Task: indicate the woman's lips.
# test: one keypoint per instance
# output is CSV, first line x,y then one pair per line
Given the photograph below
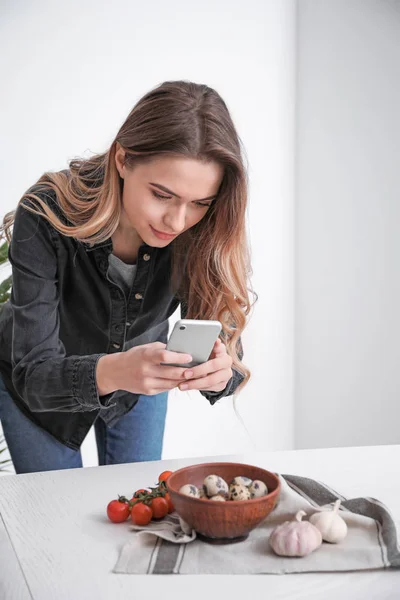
x,y
161,235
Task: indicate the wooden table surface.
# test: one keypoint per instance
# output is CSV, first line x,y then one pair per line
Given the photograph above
x,y
57,544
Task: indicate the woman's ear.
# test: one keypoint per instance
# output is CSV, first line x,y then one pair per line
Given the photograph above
x,y
120,159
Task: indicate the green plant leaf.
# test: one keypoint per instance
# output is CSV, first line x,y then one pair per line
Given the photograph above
x,y
5,287
3,253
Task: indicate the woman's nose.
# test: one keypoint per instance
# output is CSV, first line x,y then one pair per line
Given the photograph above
x,y
175,220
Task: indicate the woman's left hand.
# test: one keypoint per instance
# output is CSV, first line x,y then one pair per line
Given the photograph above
x,y
211,376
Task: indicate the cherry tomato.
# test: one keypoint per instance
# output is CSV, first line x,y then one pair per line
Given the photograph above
x,y
118,511
141,514
141,491
159,507
171,507
164,475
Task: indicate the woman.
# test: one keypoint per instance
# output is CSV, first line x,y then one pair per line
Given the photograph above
x,y
102,255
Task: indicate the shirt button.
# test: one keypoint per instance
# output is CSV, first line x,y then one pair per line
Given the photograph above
x,y
116,346
146,257
128,324
138,296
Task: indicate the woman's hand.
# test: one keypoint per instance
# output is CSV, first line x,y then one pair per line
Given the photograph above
x,y
139,370
211,376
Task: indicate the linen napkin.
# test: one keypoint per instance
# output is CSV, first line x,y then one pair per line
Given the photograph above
x,y
169,547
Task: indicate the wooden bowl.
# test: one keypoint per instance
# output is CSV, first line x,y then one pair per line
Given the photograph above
x,y
223,522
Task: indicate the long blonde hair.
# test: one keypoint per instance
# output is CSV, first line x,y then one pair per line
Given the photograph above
x,y
176,118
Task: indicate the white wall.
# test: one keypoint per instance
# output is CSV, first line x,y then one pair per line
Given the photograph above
x,y
70,74
347,225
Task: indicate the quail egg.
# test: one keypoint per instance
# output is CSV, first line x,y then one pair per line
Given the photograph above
x,y
239,492
202,493
242,480
190,490
258,489
214,484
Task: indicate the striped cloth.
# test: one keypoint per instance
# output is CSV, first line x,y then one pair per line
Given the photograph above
x,y
371,542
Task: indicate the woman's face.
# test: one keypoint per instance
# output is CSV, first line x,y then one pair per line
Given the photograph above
x,y
163,198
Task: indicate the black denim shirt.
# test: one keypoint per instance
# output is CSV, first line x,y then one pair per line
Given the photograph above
x,y
64,314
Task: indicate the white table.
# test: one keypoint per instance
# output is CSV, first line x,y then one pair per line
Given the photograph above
x,y
56,542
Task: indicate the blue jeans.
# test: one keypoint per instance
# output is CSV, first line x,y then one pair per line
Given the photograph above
x,y
138,436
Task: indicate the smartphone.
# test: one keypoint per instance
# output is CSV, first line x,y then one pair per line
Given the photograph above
x,y
194,337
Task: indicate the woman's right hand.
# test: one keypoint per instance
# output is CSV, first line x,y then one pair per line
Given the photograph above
x,y
139,370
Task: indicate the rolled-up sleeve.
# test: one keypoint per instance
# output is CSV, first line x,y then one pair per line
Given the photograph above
x,y
43,376
230,388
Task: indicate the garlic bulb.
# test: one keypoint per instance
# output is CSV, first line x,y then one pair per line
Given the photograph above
x,y
331,525
295,538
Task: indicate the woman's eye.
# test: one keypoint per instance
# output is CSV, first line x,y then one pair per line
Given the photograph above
x,y
161,197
